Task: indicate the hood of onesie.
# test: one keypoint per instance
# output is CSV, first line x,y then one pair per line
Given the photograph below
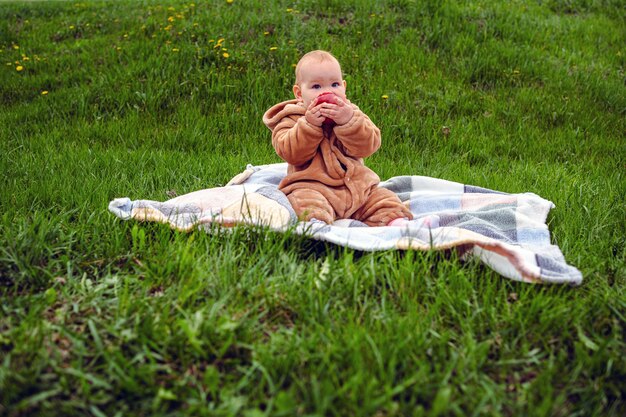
x,y
281,110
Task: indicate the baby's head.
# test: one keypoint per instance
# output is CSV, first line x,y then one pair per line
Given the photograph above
x,y
318,72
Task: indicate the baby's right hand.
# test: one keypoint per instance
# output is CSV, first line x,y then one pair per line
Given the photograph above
x,y
313,114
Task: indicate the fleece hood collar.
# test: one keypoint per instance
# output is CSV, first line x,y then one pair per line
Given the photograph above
x,y
281,110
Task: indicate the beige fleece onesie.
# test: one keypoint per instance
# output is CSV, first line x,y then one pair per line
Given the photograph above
x,y
326,177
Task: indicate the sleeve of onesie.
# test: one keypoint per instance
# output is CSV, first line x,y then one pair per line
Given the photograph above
x,y
295,140
360,136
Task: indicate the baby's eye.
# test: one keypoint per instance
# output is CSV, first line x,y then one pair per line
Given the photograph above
x,y
316,86
335,84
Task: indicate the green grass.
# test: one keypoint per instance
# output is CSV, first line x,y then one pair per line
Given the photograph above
x,y
103,317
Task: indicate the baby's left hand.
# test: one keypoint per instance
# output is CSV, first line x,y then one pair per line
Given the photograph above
x,y
341,112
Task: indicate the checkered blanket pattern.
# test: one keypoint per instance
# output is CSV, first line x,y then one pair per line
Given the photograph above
x,y
507,232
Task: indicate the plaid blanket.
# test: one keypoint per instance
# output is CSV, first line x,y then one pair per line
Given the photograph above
x,y
505,231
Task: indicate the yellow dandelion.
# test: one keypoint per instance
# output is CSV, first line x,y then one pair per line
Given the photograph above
x,y
266,33
170,19
384,97
289,10
273,48
19,68
171,9
225,54
175,49
44,92
72,26
16,47
229,1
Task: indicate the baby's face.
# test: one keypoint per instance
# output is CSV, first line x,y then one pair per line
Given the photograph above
x,y
317,78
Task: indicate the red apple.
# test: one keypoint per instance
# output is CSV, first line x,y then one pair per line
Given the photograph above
x,y
326,98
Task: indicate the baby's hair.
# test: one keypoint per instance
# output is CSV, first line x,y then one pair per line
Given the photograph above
x,y
318,56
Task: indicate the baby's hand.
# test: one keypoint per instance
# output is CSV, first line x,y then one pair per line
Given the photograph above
x,y
341,112
314,115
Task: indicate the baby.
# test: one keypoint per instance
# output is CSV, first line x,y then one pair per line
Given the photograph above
x,y
324,137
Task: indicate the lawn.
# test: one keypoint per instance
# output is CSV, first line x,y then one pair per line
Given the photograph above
x,y
147,99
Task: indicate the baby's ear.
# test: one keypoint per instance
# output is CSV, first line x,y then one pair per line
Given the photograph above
x,y
297,92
